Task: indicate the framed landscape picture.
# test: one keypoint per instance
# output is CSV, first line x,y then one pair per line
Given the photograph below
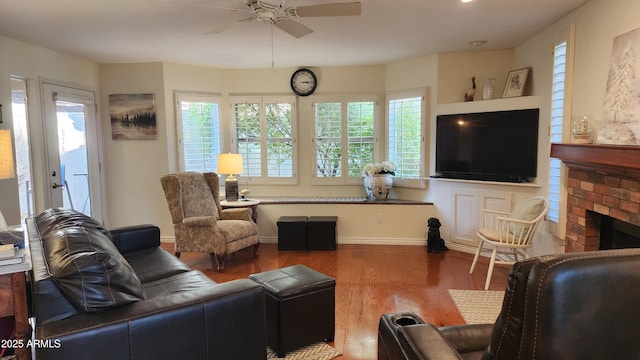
x,y
516,80
133,116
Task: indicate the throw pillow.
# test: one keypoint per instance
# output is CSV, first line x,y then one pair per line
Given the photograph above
x,y
89,270
525,210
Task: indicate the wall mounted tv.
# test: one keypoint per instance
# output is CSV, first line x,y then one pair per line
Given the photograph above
x,y
489,146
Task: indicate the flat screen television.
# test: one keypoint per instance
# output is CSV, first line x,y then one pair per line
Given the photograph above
x,y
490,146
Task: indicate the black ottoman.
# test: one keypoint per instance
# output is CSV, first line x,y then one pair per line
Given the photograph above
x,y
300,307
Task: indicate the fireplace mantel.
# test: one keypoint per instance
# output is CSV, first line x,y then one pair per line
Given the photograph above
x,y
607,159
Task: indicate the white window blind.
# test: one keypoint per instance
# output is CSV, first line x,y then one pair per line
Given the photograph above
x,y
405,135
558,129
198,132
360,136
344,138
557,120
249,137
328,139
279,140
265,135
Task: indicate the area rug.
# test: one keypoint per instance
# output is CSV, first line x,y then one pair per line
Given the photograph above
x,y
478,306
317,351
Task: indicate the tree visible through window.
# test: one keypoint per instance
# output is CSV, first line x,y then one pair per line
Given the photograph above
x,y
405,136
199,132
265,137
344,138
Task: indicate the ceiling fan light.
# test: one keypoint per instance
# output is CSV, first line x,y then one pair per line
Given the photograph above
x,y
265,15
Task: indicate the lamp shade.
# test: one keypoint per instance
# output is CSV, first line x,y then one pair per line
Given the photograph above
x,y
6,155
230,164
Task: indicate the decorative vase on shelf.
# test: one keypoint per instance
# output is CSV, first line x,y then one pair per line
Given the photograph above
x,y
487,89
378,186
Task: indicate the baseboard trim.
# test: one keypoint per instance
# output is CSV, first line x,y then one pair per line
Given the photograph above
x,y
340,240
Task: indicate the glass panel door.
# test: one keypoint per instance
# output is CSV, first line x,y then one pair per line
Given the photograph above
x,y
71,135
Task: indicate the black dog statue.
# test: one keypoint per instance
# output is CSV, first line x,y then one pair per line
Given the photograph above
x,y
434,242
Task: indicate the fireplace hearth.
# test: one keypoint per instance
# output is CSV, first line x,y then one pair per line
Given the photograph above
x,y
603,180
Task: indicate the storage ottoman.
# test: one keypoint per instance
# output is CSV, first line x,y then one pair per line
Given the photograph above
x,y
300,306
292,233
321,232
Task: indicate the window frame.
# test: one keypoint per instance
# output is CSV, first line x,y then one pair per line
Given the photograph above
x,y
196,97
262,100
557,226
422,93
344,100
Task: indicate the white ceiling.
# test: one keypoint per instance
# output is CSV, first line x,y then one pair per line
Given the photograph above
x,y
119,31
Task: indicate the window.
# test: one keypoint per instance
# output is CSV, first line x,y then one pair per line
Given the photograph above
x,y
20,118
344,138
560,110
199,142
405,136
265,135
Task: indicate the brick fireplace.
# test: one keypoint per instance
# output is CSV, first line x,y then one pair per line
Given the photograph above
x,y
604,180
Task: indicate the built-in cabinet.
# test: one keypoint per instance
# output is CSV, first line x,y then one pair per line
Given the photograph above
x,y
467,208
461,201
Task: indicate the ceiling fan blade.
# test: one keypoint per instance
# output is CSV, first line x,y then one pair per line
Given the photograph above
x,y
219,29
293,28
207,5
223,28
336,9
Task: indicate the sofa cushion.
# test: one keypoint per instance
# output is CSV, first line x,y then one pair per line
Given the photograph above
x,y
154,263
89,270
179,283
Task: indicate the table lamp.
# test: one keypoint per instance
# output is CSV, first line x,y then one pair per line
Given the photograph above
x,y
231,165
6,166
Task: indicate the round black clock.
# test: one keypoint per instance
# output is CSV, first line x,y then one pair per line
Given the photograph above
x,y
303,82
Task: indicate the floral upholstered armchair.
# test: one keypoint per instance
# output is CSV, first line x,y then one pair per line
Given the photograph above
x,y
199,222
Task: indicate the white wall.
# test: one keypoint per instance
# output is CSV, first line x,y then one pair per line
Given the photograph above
x,y
456,69
357,224
133,167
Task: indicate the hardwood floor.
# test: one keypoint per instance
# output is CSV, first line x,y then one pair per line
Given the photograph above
x,y
371,280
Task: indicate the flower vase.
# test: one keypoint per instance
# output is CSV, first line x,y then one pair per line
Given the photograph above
x,y
487,89
378,186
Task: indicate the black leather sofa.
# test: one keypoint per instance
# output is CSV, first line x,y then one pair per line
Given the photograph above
x,y
570,306
99,294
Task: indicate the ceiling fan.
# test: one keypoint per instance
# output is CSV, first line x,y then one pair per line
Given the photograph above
x,y
284,17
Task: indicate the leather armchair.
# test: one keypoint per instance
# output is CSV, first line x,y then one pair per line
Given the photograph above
x,y
199,222
569,306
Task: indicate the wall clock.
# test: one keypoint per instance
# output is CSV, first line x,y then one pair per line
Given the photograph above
x,y
303,82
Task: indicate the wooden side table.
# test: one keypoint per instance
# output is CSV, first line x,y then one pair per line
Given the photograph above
x,y
253,204
15,275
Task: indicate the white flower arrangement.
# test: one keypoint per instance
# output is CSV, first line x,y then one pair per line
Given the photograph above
x,y
385,167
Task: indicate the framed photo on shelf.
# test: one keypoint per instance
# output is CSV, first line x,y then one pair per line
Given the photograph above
x,y
516,81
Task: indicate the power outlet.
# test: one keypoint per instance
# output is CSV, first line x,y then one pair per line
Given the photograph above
x,y
379,218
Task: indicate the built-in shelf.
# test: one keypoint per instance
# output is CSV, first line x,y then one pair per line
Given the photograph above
x,y
523,102
502,183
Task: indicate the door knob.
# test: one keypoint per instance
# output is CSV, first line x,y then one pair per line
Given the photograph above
x,y
55,186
